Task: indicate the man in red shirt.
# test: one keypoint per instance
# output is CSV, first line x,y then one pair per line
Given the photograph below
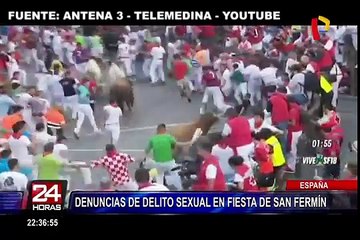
x,y
210,176
278,106
294,132
255,36
334,138
262,155
238,132
180,70
212,88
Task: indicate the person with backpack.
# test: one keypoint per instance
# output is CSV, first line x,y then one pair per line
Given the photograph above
x,y
296,85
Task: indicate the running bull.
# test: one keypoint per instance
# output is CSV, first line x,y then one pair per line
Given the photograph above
x,y
123,92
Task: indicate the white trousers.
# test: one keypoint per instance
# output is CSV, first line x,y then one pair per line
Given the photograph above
x,y
81,67
218,98
85,110
161,168
255,94
197,77
335,93
30,54
157,71
127,65
69,56
291,161
114,130
27,115
72,103
146,67
240,91
246,151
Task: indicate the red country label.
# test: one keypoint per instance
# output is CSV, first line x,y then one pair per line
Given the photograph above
x,y
322,185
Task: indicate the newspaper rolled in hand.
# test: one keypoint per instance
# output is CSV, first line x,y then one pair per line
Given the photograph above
x,y
198,132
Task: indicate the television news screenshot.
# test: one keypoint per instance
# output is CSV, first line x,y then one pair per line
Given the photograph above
x,y
124,112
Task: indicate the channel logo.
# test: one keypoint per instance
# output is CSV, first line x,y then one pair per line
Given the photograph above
x,y
315,29
47,195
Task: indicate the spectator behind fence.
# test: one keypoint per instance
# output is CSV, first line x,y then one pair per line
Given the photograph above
x,y
142,177
4,157
13,180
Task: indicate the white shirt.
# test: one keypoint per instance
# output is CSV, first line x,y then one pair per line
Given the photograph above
x,y
189,29
114,114
46,37
69,46
124,49
23,99
11,46
268,76
126,38
329,44
13,181
155,188
226,81
170,49
19,149
290,62
157,53
133,35
211,172
265,124
223,154
43,138
252,74
60,152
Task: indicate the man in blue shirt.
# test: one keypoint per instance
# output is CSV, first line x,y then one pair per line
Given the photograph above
x,y
84,109
5,102
4,157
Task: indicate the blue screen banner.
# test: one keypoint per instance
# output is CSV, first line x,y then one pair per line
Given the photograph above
x,y
196,202
10,202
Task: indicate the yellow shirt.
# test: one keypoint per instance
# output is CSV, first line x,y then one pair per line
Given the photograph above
x,y
203,57
278,158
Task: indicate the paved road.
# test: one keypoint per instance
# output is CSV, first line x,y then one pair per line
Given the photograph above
x,y
162,104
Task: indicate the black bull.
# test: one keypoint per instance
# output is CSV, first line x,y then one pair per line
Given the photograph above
x,y
123,93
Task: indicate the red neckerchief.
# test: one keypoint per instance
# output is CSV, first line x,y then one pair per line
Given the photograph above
x,y
222,145
111,153
114,105
258,123
17,135
144,185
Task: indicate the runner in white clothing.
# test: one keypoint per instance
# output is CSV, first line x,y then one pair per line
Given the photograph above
x,y
156,67
112,123
124,56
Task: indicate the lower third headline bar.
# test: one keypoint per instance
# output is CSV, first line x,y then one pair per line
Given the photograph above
x,y
199,202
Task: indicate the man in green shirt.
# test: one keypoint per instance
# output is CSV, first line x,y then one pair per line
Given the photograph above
x,y
162,146
49,167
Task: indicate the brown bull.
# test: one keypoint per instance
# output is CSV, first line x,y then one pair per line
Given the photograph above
x,y
122,91
185,132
